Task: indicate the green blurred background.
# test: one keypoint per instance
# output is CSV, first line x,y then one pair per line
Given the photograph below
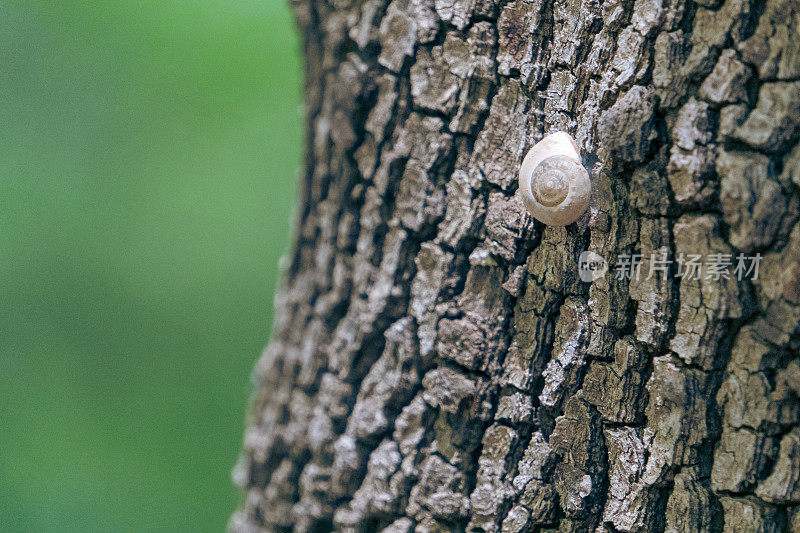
x,y
148,158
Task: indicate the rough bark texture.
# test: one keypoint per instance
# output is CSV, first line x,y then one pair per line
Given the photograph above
x,y
436,363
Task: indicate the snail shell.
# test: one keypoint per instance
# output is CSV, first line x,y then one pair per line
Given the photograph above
x,y
554,185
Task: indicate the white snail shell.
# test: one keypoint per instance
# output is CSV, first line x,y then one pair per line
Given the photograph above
x,y
553,183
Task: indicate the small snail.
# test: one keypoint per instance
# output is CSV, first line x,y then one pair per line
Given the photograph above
x,y
553,183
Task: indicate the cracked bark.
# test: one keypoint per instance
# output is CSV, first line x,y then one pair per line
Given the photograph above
x,y
436,363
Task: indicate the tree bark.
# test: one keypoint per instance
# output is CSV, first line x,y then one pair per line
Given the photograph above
x,y
437,364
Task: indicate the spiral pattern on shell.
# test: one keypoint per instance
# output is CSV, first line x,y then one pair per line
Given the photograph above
x,y
553,184
550,180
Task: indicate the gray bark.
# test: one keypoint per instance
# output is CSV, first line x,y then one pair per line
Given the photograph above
x,y
436,363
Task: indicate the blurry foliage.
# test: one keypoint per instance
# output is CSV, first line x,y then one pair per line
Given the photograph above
x,y
148,158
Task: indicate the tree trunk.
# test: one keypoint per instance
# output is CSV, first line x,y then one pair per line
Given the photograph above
x,y
437,363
